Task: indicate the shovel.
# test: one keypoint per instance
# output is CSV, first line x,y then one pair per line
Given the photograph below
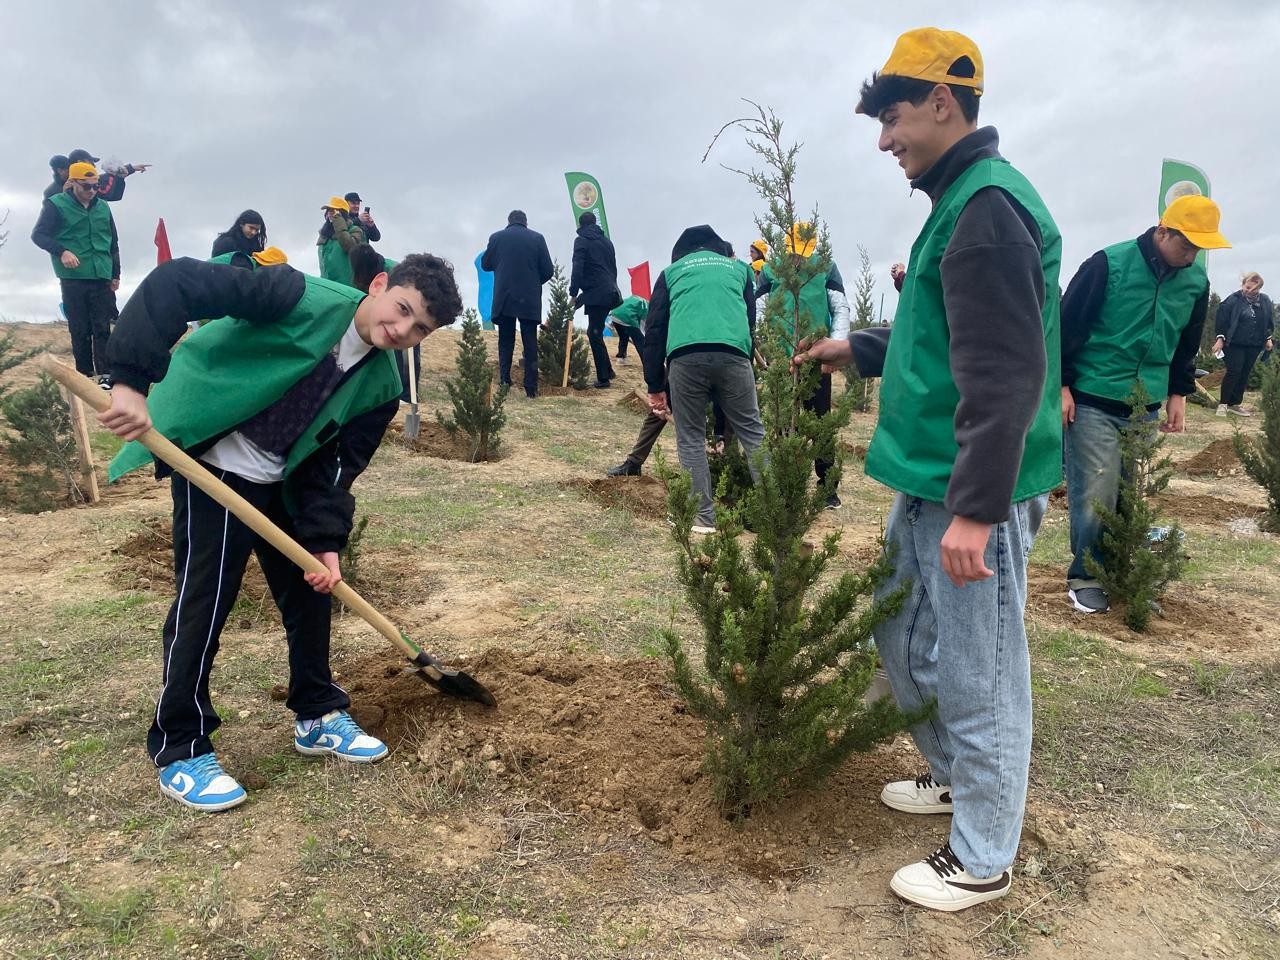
x,y
411,421
453,683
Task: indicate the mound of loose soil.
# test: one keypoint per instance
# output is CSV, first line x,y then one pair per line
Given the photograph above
x,y
634,401
1216,460
1210,510
1212,381
433,440
145,561
644,496
609,741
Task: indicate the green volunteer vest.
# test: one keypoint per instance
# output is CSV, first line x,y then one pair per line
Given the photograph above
x,y
334,264
226,258
707,301
86,232
225,372
631,312
1141,323
914,447
813,302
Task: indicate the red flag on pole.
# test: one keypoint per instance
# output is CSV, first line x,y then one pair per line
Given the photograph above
x,y
162,243
640,280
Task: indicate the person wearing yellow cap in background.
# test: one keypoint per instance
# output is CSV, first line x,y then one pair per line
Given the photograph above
x,y
1133,310
758,254
78,232
970,438
338,237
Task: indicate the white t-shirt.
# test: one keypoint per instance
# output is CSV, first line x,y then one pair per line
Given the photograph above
x,y
237,454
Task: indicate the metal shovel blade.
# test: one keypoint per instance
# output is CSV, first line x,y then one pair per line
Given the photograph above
x,y
412,424
452,683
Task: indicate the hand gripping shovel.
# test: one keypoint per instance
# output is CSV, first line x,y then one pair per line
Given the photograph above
x,y
454,683
412,423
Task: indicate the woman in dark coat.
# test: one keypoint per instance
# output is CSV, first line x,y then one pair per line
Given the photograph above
x,y
1243,327
248,235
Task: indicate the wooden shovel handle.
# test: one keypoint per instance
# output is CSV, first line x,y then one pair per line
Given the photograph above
x,y
413,378
253,518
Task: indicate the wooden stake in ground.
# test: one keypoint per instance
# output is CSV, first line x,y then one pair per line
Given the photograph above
x,y
81,431
568,351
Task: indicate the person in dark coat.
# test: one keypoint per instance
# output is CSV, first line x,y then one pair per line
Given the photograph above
x,y
1243,326
594,285
365,217
248,235
521,263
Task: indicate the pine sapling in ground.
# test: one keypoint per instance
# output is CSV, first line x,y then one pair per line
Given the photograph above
x,y
861,389
1139,556
44,441
551,340
477,407
1261,454
787,663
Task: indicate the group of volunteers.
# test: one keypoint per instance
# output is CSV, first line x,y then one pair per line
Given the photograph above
x,y
985,368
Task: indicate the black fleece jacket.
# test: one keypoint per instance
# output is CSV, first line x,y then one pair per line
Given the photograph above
x,y
655,336
993,292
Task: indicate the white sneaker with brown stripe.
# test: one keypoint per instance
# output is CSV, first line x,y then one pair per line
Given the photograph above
x,y
940,882
921,795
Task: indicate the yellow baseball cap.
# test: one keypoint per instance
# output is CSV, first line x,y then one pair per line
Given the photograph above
x,y
796,242
1197,219
930,54
270,257
759,246
337,203
83,171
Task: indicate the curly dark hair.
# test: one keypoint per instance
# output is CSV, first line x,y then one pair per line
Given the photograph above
x,y
432,277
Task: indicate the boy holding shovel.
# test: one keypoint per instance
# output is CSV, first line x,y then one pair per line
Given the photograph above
x,y
285,399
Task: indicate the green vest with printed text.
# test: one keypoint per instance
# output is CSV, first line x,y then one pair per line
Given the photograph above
x,y
707,294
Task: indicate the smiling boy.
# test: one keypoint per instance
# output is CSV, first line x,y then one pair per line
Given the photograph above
x,y
285,399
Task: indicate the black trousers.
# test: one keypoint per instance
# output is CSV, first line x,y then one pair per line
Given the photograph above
x,y
1239,361
211,548
507,347
820,403
596,317
91,309
629,334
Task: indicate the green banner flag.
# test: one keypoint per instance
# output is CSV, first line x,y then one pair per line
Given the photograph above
x,y
585,195
1179,179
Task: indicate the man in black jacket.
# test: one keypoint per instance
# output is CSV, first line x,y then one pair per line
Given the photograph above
x,y
365,217
594,285
521,263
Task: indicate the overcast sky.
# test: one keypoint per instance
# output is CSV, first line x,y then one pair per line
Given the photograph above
x,y
445,115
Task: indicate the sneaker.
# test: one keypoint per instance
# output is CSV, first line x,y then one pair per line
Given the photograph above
x,y
921,795
201,784
1089,600
833,502
1238,410
338,735
626,468
623,360
702,529
940,882
1222,409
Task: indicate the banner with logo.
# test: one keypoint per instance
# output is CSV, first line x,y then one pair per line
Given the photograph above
x,y
1180,179
585,195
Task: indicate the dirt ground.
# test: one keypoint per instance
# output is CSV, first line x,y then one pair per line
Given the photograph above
x,y
575,818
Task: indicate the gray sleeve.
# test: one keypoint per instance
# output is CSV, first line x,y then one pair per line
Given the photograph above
x,y
993,291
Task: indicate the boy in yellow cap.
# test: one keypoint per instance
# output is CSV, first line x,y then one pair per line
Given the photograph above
x,y
970,439
78,232
1133,311
338,237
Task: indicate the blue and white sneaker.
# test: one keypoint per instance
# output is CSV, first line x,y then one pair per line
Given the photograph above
x,y
201,784
338,735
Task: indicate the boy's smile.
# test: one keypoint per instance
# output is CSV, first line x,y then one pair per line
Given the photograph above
x,y
393,318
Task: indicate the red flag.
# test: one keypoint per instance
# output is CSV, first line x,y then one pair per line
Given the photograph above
x,y
162,243
640,286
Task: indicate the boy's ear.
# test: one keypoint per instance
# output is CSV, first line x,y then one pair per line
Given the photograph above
x,y
378,284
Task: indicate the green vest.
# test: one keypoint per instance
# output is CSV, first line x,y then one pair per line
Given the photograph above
x,y
225,372
86,232
226,258
631,312
1141,323
914,447
707,293
334,263
813,302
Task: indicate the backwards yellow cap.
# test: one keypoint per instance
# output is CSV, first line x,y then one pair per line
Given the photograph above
x,y
337,203
796,242
270,257
930,54
1197,219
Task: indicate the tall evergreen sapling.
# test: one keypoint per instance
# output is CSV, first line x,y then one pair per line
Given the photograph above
x,y
1261,455
1139,557
787,664
861,389
552,336
43,438
477,407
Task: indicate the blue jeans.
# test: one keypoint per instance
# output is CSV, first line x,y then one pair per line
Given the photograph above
x,y
1093,473
966,648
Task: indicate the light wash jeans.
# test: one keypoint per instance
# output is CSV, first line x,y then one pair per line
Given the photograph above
x,y
1093,473
966,647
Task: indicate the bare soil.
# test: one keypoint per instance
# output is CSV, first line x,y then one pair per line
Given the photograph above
x,y
1218,459
645,496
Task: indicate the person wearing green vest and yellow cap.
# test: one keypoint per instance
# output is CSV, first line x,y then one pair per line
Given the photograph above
x,y
1133,312
78,232
970,438
823,299
338,237
285,398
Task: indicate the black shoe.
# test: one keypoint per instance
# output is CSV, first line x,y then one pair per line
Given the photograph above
x,y
833,502
531,394
602,384
626,468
